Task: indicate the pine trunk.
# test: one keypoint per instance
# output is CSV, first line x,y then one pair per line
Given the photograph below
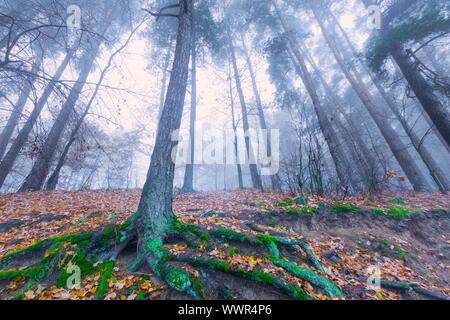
x,y
154,213
8,161
378,113
328,132
16,113
275,179
256,178
188,184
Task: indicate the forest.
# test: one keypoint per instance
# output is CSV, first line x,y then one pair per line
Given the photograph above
x,y
224,150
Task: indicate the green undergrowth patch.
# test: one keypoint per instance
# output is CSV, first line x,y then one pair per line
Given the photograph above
x,y
285,203
400,212
345,207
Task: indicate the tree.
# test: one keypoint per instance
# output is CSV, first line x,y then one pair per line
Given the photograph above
x,y
16,113
406,161
391,40
36,178
276,184
154,215
8,160
256,178
330,135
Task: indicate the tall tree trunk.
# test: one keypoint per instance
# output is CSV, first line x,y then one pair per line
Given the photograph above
x,y
188,184
275,179
162,96
420,86
358,152
16,113
8,161
154,214
52,182
329,134
234,124
378,113
36,178
256,178
434,168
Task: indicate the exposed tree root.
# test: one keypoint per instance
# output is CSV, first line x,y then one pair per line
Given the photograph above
x,y
403,286
86,250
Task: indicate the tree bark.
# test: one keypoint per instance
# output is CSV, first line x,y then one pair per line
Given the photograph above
x,y
8,161
256,178
275,179
188,184
52,182
420,86
16,113
378,113
435,170
329,134
36,178
234,124
154,214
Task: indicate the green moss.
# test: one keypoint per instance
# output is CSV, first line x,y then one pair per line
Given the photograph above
x,y
197,288
86,266
397,200
75,239
102,288
400,253
231,235
285,203
301,201
344,207
398,212
33,273
265,238
329,288
256,275
233,251
177,278
378,212
141,296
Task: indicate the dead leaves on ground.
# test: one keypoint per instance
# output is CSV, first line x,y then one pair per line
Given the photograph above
x,y
50,214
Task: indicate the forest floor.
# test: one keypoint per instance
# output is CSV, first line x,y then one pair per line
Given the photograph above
x,y
403,234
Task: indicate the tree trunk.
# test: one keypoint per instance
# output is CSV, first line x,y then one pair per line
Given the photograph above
x,y
234,124
329,134
8,161
154,214
52,182
436,172
378,113
36,178
188,184
162,96
256,178
420,86
424,92
358,152
275,179
16,113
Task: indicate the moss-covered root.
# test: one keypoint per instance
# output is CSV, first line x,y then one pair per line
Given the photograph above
x,y
231,235
311,256
177,278
321,282
291,290
410,287
103,283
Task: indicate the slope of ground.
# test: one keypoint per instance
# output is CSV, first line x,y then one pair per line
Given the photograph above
x,y
404,236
